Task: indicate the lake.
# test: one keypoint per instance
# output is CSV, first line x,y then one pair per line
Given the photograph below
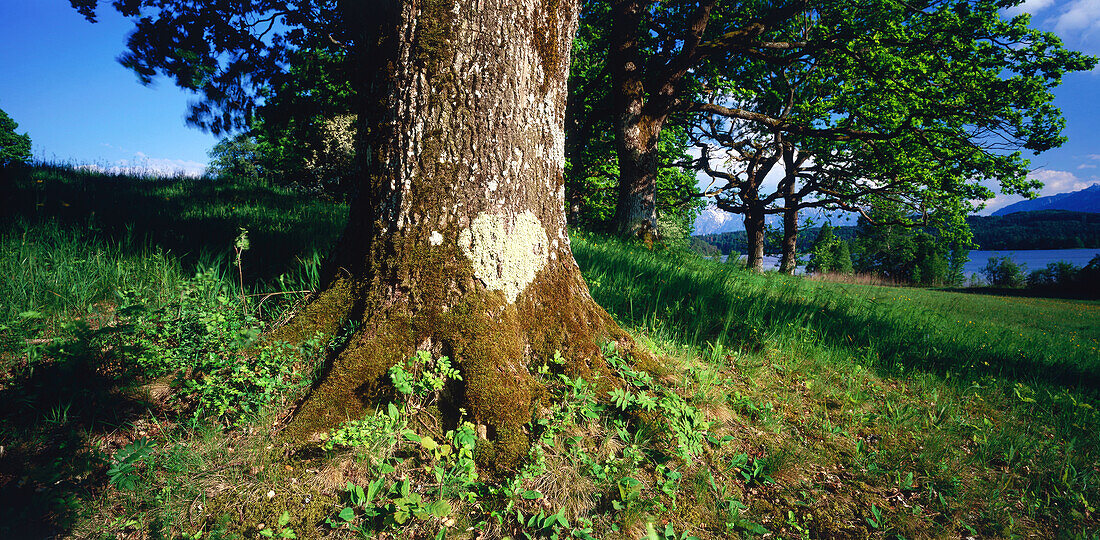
x,y
1035,259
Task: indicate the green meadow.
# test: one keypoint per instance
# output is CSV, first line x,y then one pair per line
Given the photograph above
x,y
140,400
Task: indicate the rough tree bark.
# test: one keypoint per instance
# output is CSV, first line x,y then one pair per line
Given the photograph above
x,y
458,245
637,130
755,230
789,260
791,205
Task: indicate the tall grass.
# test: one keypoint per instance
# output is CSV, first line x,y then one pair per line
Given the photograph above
x,y
952,414
52,268
1030,340
989,402
188,218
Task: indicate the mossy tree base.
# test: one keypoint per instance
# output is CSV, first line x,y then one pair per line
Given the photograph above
x,y
495,344
458,245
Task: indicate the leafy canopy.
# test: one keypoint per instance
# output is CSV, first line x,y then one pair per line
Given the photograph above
x,y
14,148
227,51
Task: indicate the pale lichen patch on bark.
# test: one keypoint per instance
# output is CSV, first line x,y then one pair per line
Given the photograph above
x,y
506,251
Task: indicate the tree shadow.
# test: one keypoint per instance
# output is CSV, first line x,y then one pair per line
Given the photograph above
x,y
703,306
57,410
195,219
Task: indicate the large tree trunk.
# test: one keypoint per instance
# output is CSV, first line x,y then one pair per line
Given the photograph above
x,y
458,243
636,203
755,230
789,261
636,132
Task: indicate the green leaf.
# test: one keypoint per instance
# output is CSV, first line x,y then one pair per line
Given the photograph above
x,y
531,494
440,509
373,488
347,514
428,443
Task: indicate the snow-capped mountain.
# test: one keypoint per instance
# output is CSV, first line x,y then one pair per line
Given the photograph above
x,y
712,220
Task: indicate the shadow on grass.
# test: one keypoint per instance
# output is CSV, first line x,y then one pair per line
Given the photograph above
x,y
702,302
1031,293
58,408
190,217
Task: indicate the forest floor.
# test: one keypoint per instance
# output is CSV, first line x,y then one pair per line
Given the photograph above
x,y
135,402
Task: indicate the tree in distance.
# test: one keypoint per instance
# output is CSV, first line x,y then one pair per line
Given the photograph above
x,y
829,253
457,243
236,157
592,162
910,104
14,148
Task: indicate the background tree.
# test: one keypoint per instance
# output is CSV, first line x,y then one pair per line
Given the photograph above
x,y
306,127
237,157
895,247
457,242
915,105
592,165
14,148
1005,272
655,49
923,100
829,253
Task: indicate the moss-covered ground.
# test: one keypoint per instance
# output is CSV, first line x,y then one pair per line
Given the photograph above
x,y
138,401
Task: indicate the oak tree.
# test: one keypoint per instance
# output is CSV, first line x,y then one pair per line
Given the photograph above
x,y
929,98
457,243
14,148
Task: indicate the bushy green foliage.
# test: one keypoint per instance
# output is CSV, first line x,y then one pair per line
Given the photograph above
x,y
1056,274
210,339
422,378
1067,278
14,148
238,156
123,471
829,253
1005,272
909,253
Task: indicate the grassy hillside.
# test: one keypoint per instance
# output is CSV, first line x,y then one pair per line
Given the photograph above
x,y
141,405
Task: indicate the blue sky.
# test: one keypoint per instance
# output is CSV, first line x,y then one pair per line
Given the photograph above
x,y
60,81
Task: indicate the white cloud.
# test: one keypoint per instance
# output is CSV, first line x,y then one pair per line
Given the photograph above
x,y
1054,182
1079,17
1029,6
1087,166
145,166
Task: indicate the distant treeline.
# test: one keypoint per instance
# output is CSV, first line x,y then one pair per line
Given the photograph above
x,y
1042,229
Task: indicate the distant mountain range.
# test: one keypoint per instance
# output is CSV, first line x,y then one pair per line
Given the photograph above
x,y
1086,200
715,221
1041,229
